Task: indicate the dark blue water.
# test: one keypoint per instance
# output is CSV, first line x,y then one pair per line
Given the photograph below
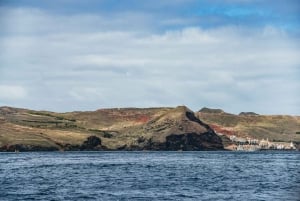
x,y
150,176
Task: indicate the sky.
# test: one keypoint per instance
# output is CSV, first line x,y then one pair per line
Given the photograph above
x,y
67,55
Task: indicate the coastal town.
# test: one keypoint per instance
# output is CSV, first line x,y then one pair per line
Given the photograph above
x,y
250,144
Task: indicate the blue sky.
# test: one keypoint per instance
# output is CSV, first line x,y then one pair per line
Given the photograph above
x,y
238,55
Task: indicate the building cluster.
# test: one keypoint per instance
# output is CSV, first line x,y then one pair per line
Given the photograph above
x,y
251,144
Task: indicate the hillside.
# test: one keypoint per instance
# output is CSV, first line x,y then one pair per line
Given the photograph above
x,y
283,128
139,129
106,129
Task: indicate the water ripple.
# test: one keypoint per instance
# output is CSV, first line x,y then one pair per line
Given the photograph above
x,y
150,176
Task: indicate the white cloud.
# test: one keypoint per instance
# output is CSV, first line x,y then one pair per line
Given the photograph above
x,y
9,92
112,66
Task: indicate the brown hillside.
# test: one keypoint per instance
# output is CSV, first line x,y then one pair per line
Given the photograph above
x,y
274,127
112,129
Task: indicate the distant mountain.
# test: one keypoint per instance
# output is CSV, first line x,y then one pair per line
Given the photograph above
x,y
105,129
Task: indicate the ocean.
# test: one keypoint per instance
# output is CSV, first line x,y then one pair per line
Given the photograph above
x,y
150,176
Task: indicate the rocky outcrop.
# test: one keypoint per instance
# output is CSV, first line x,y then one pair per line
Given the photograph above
x,y
211,110
179,129
92,143
248,114
193,142
297,145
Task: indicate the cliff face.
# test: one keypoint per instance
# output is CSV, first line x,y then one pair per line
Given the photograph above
x,y
179,129
106,129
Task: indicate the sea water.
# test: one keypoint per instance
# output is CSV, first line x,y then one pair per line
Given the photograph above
x,y
150,176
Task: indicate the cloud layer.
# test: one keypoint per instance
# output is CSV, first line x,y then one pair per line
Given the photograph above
x,y
87,61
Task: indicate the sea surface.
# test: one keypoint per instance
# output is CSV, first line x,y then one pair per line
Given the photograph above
x,y
150,176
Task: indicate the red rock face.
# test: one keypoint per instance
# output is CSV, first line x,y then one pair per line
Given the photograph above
x,y
222,130
143,119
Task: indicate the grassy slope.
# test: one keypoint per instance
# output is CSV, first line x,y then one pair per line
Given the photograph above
x,y
116,127
275,127
128,126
